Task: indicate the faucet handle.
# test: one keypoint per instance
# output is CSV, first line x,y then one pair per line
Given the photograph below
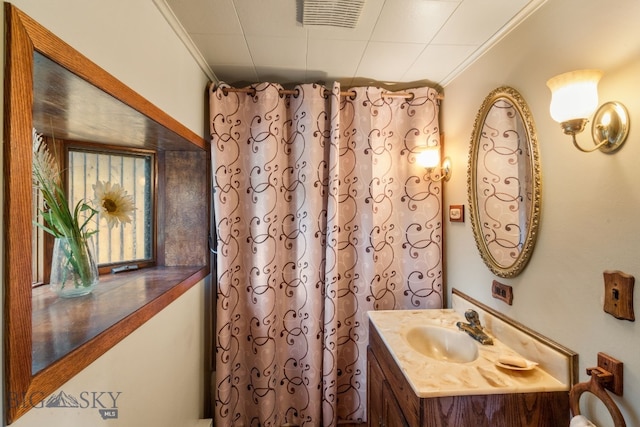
x,y
472,317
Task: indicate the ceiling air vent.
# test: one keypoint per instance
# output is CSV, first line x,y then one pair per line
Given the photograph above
x,y
332,13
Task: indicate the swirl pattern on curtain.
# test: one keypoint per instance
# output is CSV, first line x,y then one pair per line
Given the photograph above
x,y
322,215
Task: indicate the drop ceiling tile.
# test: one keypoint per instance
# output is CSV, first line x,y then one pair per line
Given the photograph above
x,y
412,21
363,30
279,52
475,21
223,49
437,61
206,16
255,38
329,60
388,61
273,18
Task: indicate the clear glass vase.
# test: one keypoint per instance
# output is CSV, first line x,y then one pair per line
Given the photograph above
x,y
74,271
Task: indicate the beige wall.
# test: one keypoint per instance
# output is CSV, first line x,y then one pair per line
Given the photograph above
x,y
159,369
590,211
591,202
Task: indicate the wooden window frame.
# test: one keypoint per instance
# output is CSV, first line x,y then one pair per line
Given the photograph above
x,y
121,150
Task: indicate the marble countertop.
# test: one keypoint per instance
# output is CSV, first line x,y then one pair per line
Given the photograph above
x,y
432,378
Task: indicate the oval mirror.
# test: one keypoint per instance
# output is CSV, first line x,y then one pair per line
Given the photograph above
x,y
504,182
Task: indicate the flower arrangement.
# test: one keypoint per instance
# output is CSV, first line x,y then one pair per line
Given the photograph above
x,y
73,225
114,203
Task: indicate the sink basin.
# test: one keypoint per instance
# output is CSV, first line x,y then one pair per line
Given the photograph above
x,y
442,344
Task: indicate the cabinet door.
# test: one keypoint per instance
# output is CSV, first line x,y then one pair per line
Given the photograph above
x,y
392,414
375,380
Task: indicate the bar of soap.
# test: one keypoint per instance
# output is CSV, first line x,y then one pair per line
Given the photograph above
x,y
516,361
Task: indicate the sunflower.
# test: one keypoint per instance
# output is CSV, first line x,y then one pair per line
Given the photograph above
x,y
113,202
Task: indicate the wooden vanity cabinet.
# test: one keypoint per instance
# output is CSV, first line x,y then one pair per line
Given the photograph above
x,y
392,402
384,409
375,387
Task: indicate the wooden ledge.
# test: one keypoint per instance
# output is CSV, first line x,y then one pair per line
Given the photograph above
x,y
69,334
64,325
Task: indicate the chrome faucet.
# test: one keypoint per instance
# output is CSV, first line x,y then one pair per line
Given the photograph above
x,y
474,328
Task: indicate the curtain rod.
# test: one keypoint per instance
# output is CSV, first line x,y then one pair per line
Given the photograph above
x,y
252,91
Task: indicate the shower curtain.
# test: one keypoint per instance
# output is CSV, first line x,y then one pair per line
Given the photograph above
x,y
321,215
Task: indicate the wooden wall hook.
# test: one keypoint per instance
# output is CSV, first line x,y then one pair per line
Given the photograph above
x,y
601,375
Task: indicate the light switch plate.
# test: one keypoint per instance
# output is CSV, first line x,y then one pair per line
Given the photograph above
x,y
456,213
618,295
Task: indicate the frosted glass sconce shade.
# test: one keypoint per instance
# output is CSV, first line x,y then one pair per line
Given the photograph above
x,y
574,95
429,158
574,98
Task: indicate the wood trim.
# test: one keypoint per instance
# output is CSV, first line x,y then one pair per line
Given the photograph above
x,y
59,51
23,389
18,98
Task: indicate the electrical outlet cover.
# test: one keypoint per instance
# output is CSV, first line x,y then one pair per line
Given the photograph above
x,y
502,292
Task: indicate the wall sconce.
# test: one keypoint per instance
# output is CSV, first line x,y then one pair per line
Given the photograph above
x,y
429,158
574,97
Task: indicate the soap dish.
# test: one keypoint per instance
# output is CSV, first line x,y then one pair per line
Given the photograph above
x,y
530,366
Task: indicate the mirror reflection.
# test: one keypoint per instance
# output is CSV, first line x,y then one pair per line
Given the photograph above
x,y
504,182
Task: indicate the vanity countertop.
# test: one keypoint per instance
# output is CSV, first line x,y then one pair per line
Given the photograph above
x,y
435,378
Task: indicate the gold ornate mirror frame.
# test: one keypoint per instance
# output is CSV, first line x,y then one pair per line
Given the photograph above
x,y
504,182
